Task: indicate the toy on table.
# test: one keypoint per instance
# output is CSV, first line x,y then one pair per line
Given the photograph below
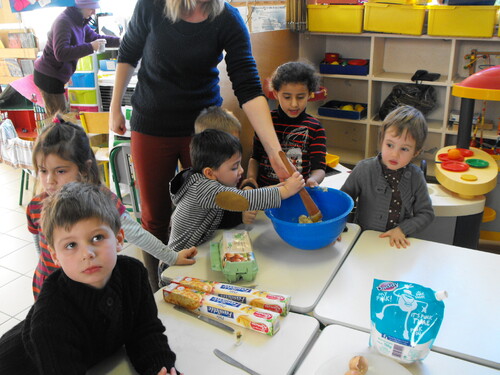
x,y
233,256
467,172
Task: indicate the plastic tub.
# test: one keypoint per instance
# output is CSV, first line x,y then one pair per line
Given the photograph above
x,y
333,108
82,80
85,63
335,18
468,21
334,204
82,96
394,18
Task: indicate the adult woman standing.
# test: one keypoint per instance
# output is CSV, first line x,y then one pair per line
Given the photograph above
x,y
181,42
69,39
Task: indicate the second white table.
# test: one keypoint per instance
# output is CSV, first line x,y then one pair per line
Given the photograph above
x,y
302,274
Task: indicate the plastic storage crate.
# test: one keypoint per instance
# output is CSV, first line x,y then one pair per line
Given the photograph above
x,y
466,21
107,64
335,18
469,2
356,70
82,80
333,109
85,64
84,108
82,96
404,2
394,18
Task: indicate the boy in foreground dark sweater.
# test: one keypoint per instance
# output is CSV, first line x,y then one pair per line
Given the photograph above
x,y
96,303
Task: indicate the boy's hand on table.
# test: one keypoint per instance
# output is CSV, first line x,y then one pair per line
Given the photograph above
x,y
396,238
248,217
163,371
186,256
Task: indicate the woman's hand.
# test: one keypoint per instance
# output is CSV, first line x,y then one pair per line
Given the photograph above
x,y
97,43
117,121
186,256
278,166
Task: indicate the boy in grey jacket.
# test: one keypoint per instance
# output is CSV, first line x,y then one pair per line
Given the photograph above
x,y
391,193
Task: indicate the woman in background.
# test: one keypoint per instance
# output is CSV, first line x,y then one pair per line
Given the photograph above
x,y
69,39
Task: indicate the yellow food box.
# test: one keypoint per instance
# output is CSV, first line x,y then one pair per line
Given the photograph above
x,y
276,302
394,18
335,18
466,21
255,319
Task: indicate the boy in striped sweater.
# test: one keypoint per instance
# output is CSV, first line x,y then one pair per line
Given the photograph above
x,y
203,193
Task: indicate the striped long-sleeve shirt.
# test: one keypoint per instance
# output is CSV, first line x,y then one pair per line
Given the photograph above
x,y
196,215
302,139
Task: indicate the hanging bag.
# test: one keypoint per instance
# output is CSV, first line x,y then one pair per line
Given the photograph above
x,y
422,97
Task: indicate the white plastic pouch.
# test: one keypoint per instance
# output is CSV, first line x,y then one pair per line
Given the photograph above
x,y
405,319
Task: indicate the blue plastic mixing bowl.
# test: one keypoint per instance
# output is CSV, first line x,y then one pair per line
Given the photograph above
x,y
334,204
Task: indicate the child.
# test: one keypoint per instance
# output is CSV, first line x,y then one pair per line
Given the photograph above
x,y
301,136
217,118
62,154
391,192
203,192
96,303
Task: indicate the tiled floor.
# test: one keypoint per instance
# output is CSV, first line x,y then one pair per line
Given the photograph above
x,y
18,257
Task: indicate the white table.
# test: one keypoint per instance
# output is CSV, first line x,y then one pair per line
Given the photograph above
x,y
448,207
470,329
193,341
302,274
344,342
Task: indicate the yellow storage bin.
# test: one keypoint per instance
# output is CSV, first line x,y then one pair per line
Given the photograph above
x,y
405,2
335,18
468,21
82,96
394,18
85,63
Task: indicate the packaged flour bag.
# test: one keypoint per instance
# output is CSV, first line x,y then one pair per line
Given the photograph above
x,y
405,319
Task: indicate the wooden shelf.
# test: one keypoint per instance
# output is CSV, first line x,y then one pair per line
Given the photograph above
x,y
5,80
393,60
19,53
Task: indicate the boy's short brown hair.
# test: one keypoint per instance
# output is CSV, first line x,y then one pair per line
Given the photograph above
x,y
406,118
217,118
77,201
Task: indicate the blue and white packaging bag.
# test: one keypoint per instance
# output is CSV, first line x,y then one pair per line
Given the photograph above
x,y
405,319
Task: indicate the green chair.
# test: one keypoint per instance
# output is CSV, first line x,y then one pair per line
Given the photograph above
x,y
123,176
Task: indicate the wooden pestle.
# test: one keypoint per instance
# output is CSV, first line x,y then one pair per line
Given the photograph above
x,y
312,209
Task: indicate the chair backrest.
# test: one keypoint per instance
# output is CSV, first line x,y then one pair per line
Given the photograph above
x,y
122,171
95,122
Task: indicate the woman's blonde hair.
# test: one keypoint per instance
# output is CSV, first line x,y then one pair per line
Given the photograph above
x,y
175,9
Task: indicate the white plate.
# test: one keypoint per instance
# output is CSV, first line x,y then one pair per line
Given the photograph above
x,y
377,365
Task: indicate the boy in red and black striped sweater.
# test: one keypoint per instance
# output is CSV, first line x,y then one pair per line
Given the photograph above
x,y
301,136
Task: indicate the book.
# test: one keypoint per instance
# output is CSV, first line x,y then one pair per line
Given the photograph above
x,y
27,66
22,40
14,68
14,40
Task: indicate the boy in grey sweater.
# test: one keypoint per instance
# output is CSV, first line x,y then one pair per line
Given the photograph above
x,y
391,193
